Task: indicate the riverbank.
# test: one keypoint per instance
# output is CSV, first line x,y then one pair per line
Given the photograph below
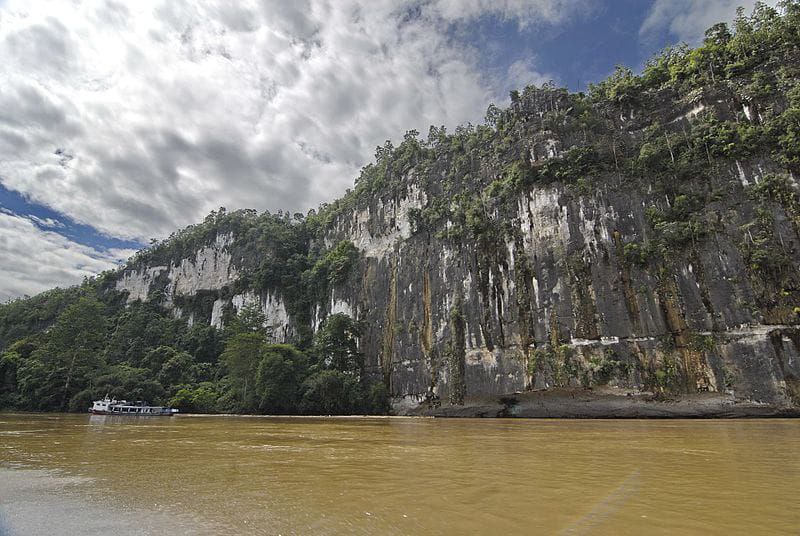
x,y
568,404
589,404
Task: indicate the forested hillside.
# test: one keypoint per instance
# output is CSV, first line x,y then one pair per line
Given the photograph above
x,y
642,236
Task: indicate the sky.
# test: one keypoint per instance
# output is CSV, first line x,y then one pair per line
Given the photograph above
x,y
125,121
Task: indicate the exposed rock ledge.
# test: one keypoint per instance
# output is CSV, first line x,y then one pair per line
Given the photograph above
x,y
589,404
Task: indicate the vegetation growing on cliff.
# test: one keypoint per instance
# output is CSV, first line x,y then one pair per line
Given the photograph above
x,y
691,116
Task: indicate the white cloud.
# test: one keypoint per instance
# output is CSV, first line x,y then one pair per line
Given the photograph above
x,y
34,260
139,118
687,20
522,73
46,222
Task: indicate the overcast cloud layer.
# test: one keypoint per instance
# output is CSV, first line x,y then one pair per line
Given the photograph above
x,y
138,118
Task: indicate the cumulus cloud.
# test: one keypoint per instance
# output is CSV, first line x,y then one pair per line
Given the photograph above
x,y
687,20
139,118
523,72
34,260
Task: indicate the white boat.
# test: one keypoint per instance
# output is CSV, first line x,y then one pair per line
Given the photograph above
x,y
108,406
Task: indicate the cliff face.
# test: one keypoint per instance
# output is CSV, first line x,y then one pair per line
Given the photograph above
x,y
555,303
643,238
209,273
560,305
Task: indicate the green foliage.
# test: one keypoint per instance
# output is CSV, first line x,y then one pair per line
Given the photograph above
x,y
605,367
178,369
675,227
122,382
667,375
635,254
26,316
575,163
138,329
701,343
204,398
561,364
250,319
789,139
241,359
723,54
332,392
515,178
621,88
536,360
429,217
772,267
95,347
496,157
336,264
204,342
336,345
279,378
10,361
777,189
730,376
555,360
763,250
186,242
726,139
378,399
63,364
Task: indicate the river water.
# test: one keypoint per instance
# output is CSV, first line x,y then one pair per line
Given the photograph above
x,y
80,474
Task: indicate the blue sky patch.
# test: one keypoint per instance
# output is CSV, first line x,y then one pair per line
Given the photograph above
x,y
582,51
50,220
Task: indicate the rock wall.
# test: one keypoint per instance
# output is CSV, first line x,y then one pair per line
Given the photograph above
x,y
555,300
558,305
210,269
561,306
210,272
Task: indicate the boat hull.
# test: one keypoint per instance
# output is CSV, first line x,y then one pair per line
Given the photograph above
x,y
134,414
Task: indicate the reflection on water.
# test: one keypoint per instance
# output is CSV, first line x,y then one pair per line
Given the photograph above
x,y
410,476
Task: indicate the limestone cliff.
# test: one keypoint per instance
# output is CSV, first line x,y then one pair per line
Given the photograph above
x,y
561,296
560,304
639,238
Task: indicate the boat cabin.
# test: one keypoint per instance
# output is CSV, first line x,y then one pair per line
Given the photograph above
x,y
108,406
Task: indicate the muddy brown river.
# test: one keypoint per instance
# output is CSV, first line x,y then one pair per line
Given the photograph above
x,y
80,474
